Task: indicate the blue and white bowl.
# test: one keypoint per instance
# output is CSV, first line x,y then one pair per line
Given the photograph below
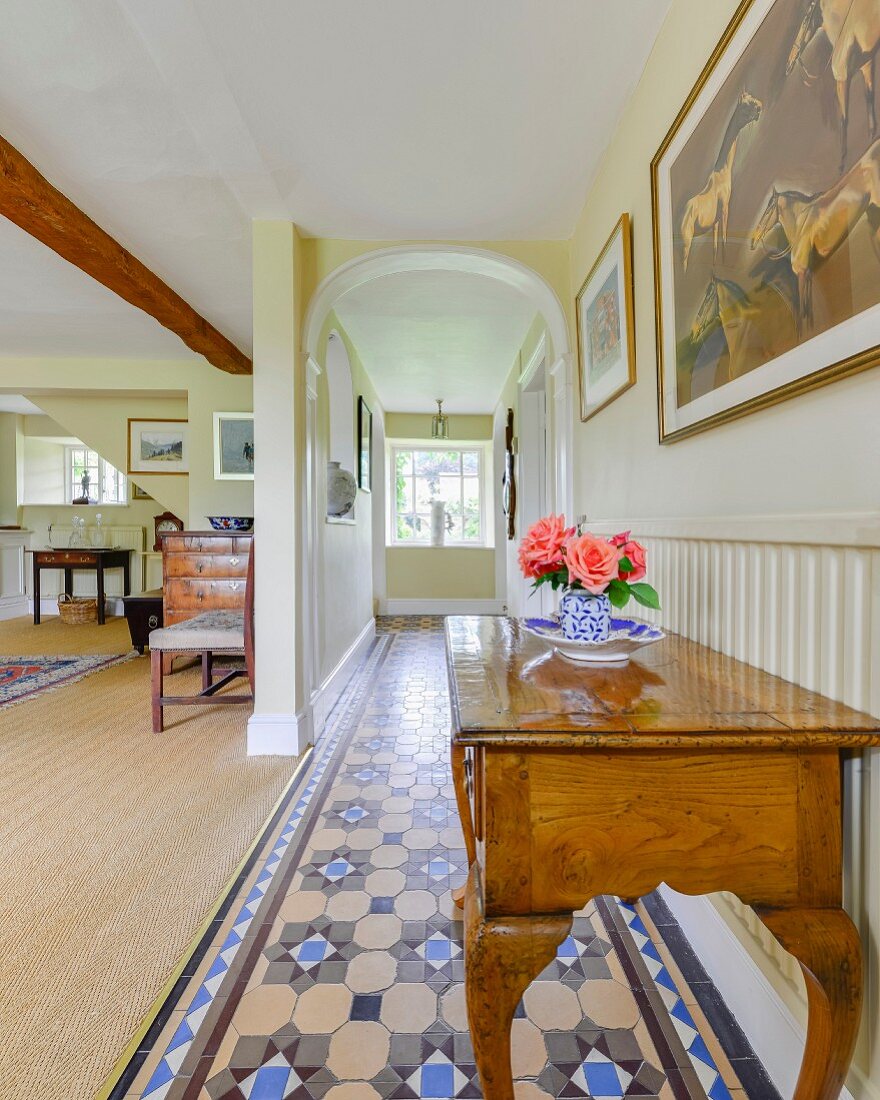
x,y
625,636
231,523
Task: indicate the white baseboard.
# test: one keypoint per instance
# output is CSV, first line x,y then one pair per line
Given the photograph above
x,y
325,698
441,607
775,1035
13,607
279,734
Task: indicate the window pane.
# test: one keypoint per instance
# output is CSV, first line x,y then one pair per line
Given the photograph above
x,y
471,462
404,495
449,489
454,532
404,462
471,526
405,528
471,486
426,491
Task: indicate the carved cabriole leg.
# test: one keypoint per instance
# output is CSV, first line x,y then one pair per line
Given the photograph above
x,y
502,956
826,944
459,778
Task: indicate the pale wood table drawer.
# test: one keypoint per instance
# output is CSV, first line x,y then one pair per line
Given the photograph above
x,y
203,595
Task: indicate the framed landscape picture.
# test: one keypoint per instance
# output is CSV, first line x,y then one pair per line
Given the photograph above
x,y
766,202
365,445
234,446
604,308
158,446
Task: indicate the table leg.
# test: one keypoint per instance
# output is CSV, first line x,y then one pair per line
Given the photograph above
x,y
36,592
68,582
126,577
503,955
826,944
100,573
459,778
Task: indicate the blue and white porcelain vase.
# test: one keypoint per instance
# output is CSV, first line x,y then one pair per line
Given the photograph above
x,y
585,617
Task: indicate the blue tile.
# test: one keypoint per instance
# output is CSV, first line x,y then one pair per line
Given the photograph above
x,y
382,905
602,1079
366,1006
270,1083
438,1081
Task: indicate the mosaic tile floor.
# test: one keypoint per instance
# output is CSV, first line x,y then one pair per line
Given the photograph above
x,y
339,972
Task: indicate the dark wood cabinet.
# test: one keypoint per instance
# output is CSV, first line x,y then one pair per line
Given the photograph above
x,y
203,571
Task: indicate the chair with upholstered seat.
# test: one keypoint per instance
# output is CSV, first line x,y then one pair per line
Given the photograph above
x,y
213,634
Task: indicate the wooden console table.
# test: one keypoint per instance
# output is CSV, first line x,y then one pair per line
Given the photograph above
x,y
94,558
685,767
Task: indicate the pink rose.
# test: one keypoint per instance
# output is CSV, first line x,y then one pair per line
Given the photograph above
x,y
540,551
592,561
637,556
620,540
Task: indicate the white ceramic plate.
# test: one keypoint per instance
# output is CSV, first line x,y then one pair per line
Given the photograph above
x,y
627,635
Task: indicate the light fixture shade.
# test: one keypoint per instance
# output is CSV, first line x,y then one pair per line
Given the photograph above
x,y
439,422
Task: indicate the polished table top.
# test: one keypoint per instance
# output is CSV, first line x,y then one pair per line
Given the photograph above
x,y
509,687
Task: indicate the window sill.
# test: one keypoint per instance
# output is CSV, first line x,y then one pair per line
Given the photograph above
x,y
340,521
445,546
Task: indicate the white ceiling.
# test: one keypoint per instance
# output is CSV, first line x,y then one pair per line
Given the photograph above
x,y
173,123
15,403
428,334
49,307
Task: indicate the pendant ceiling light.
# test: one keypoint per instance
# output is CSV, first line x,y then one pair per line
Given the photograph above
x,y
439,422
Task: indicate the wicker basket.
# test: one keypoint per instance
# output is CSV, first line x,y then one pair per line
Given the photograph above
x,y
76,610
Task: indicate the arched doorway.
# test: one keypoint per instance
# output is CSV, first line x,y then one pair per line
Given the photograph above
x,y
547,451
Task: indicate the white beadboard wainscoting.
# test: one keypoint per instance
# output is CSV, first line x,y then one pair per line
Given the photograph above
x,y
13,599
84,581
798,596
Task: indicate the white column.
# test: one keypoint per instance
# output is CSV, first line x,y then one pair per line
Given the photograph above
x,y
280,723
565,415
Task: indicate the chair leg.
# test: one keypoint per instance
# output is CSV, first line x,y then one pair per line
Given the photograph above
x,y
157,670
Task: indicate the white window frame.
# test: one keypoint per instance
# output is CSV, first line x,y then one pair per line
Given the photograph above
x,y
483,450
102,466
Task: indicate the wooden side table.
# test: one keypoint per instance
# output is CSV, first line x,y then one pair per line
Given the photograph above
x,y
94,558
685,767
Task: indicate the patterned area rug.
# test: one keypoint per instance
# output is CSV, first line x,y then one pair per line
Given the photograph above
x,y
338,973
22,677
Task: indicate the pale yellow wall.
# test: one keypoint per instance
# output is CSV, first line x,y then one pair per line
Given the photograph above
x,y
418,426
814,455
440,573
345,551
10,429
92,400
798,457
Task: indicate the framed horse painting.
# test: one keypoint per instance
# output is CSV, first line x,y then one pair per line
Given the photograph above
x,y
766,203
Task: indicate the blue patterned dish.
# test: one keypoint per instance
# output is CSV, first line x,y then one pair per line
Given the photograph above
x,y
231,523
625,637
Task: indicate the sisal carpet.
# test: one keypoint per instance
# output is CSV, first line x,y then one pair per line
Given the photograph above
x,y
20,638
117,841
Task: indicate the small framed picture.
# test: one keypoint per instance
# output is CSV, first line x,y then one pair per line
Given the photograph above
x,y
137,493
234,446
365,445
158,446
605,324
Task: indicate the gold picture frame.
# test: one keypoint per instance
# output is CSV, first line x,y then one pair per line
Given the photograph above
x,y
728,61
605,314
158,446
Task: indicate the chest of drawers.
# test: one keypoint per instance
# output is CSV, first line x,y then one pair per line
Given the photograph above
x,y
203,571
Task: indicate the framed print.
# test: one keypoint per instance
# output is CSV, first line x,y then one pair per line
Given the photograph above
x,y
234,446
137,493
604,309
365,445
766,204
158,446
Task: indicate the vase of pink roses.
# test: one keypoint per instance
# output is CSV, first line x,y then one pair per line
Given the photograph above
x,y
595,574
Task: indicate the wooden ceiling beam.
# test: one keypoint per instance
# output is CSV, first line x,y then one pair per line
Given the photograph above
x,y
32,203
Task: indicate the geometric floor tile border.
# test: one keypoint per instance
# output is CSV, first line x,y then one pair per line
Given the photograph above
x,y
341,974
182,1039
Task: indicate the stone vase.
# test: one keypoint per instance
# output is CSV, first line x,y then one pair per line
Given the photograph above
x,y
341,490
